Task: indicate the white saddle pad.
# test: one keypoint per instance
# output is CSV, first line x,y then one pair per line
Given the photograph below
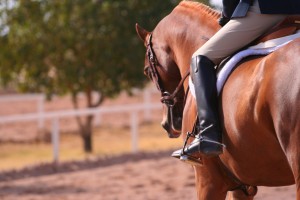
x,y
264,48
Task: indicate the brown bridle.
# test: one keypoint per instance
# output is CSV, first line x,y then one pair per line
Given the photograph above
x,y
166,97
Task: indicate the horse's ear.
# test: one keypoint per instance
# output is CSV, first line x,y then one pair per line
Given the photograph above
x,y
142,33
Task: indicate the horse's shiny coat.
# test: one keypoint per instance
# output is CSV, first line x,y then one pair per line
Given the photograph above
x,y
260,106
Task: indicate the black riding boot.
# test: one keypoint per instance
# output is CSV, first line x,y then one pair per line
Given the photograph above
x,y
209,140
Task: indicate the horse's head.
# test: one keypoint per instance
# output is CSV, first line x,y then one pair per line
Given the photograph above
x,y
161,68
169,49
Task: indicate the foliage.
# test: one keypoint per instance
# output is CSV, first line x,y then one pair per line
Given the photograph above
x,y
63,46
72,46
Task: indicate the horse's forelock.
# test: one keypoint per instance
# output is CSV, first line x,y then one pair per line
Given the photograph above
x,y
198,8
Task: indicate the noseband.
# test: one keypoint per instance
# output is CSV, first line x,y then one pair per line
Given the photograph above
x,y
166,97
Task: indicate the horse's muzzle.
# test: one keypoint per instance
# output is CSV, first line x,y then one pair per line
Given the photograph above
x,y
171,123
171,132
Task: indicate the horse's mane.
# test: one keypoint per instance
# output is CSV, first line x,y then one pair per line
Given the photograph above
x,y
193,6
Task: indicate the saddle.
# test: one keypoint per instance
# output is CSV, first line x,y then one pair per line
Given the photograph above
x,y
288,26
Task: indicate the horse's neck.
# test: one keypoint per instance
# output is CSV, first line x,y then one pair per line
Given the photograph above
x,y
196,25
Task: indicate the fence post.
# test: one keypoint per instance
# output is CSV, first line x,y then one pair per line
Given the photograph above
x,y
97,119
55,139
134,132
147,102
40,110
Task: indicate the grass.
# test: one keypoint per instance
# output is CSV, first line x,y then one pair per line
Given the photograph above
x,y
107,141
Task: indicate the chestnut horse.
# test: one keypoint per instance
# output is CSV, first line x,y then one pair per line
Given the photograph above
x,y
260,106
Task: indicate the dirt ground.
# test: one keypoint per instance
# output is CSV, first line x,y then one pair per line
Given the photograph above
x,y
151,176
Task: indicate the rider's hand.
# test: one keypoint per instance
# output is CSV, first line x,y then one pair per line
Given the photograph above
x,y
223,20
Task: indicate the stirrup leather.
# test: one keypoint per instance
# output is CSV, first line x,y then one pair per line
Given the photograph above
x,y
188,158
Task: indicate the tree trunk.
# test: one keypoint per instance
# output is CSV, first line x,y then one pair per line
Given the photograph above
x,y
86,123
86,134
87,144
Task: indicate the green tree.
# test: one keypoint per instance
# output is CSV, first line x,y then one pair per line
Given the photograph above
x,y
73,46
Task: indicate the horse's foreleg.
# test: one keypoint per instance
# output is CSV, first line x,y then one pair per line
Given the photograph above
x,y
298,192
296,172
209,183
238,195
291,149
292,152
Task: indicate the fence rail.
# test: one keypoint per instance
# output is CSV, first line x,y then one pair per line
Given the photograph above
x,y
39,98
79,112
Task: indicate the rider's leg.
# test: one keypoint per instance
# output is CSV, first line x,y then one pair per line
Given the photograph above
x,y
209,141
204,79
237,33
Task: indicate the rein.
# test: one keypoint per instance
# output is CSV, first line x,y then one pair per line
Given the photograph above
x,y
166,98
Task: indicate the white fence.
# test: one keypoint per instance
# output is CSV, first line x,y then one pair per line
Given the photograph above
x,y
55,117
39,98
